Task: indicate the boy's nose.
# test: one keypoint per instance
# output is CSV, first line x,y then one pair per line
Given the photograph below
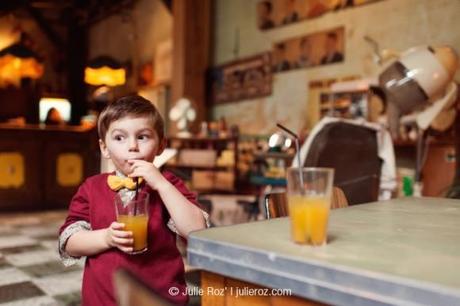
x,y
133,145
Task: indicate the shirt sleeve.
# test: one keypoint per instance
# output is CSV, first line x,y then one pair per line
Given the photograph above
x,y
189,195
172,225
73,228
77,220
180,185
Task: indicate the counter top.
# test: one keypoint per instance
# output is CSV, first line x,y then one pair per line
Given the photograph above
x,y
399,252
44,127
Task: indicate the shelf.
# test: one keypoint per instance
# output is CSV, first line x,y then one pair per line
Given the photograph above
x,y
277,155
207,178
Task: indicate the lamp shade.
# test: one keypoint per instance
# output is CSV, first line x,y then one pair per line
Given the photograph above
x,y
17,62
418,79
104,70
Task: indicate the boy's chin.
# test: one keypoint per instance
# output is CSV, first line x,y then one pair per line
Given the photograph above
x,y
125,173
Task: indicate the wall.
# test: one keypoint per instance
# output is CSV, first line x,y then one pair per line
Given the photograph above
x,y
136,37
397,24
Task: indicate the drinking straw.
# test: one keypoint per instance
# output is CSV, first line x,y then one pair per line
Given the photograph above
x,y
297,147
135,195
137,187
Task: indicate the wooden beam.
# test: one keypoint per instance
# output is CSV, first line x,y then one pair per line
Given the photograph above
x,y
77,54
46,28
191,45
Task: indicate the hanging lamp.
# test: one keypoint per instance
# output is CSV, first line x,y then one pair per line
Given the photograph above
x,y
17,62
104,70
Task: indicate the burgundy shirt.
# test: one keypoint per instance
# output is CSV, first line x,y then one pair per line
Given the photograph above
x,y
160,267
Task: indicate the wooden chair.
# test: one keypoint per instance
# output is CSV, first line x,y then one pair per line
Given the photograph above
x,y
276,206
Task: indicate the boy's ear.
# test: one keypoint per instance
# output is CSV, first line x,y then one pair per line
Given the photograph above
x,y
104,150
162,146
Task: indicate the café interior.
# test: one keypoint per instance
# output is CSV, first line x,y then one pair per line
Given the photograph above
x,y
361,94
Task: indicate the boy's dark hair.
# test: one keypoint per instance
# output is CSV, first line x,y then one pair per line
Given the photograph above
x,y
129,106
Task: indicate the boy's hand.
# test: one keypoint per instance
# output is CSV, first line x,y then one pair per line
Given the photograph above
x,y
118,238
146,170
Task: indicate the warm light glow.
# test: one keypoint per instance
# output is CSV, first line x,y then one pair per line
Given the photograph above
x,y
62,105
274,140
13,69
105,76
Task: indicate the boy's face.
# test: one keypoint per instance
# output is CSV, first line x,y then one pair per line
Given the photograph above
x,y
130,138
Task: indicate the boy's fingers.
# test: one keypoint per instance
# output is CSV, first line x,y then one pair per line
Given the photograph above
x,y
123,234
127,250
124,241
133,170
116,225
136,173
132,163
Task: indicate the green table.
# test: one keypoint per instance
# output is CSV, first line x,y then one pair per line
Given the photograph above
x,y
399,252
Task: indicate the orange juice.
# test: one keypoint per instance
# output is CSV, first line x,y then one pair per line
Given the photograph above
x,y
309,216
137,225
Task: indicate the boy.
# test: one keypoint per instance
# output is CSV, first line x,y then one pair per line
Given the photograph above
x,y
131,135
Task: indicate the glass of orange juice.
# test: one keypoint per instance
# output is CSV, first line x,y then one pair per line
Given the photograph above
x,y
133,213
309,193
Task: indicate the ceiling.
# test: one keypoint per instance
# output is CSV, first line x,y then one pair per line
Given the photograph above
x,y
55,16
58,11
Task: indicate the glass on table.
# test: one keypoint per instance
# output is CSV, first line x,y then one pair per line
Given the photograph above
x,y
309,192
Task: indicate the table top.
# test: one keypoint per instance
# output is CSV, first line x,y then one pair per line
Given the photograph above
x,y
403,251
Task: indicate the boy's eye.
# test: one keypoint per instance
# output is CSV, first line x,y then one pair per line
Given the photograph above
x,y
118,137
143,137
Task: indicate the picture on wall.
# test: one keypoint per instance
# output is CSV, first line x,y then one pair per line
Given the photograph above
x,y
275,13
242,79
315,49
